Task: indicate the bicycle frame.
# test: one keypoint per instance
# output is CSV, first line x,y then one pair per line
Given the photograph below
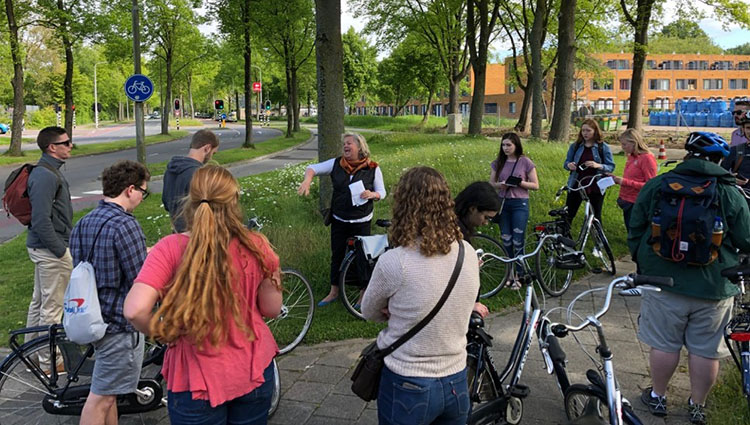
x,y
741,320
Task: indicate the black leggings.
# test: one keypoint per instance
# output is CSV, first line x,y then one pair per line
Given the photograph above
x,y
573,202
340,233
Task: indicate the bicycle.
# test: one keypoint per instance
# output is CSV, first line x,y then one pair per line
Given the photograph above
x,y
138,86
556,263
497,397
600,401
362,254
737,331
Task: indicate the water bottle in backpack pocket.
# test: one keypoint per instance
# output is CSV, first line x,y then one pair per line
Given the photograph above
x,y
686,225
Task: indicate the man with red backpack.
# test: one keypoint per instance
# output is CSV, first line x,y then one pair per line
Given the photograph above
x,y
49,230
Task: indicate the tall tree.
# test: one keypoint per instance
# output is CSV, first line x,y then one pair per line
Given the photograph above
x,y
638,18
287,27
360,67
565,73
536,41
480,17
14,14
329,58
440,23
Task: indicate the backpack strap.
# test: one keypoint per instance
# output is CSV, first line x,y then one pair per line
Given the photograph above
x,y
738,159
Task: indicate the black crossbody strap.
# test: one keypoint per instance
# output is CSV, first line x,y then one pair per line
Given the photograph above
x,y
99,232
512,170
451,283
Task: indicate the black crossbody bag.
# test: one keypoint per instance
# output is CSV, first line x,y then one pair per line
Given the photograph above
x,y
366,376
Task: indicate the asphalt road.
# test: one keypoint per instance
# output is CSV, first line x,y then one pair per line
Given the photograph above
x,y
83,173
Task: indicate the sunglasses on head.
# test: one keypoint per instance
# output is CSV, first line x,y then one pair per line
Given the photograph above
x,y
65,142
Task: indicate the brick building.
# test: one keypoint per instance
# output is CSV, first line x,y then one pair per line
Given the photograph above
x,y
668,78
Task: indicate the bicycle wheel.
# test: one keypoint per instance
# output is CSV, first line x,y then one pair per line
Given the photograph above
x,y
553,281
276,396
486,390
580,400
297,310
351,286
492,273
21,392
598,252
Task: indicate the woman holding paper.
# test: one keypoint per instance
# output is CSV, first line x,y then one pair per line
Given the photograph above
x,y
513,175
586,158
640,167
357,182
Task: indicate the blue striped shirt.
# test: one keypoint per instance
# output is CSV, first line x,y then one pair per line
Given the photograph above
x,y
117,257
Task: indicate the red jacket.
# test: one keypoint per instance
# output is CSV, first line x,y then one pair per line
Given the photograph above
x,y
639,168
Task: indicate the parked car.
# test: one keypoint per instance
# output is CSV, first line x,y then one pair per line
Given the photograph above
x,y
154,116
4,128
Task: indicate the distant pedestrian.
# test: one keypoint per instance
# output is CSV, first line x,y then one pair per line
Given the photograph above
x,y
117,244
424,380
353,171
49,232
215,285
180,171
587,157
738,162
640,167
738,136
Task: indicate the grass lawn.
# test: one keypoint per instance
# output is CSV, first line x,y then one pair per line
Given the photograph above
x,y
413,123
95,148
726,403
241,154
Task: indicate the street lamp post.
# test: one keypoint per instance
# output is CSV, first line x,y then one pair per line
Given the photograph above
x,y
260,94
96,99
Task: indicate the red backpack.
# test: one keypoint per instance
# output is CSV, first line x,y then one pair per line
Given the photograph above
x,y
16,196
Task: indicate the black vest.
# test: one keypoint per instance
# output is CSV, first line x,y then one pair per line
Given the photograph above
x,y
341,200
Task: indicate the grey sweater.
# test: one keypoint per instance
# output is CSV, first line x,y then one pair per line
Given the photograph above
x,y
410,285
51,208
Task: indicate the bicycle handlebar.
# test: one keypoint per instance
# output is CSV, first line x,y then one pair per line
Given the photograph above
x,y
737,272
560,329
506,260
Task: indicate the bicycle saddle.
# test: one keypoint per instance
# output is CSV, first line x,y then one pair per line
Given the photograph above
x,y
560,212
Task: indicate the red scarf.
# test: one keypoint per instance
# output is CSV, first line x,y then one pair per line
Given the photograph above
x,y
352,167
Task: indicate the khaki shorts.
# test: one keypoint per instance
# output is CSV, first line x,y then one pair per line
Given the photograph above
x,y
668,321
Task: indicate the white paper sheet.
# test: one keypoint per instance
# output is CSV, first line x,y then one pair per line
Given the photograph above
x,y
605,183
356,189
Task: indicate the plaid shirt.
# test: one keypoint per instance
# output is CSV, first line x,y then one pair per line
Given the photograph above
x,y
118,256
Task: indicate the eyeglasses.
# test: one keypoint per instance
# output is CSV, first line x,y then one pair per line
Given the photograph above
x,y
67,143
738,112
143,191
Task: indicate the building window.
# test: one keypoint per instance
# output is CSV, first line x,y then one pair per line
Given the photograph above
x,y
625,84
738,84
744,65
579,84
722,65
490,108
673,64
624,105
697,65
609,104
623,64
650,64
611,64
601,85
651,104
713,84
686,84
658,84
665,103
512,107
511,88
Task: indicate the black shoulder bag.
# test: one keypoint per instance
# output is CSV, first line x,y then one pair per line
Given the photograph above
x,y
366,376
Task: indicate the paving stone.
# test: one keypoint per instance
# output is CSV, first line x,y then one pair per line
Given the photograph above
x,y
312,392
341,406
322,420
343,357
288,378
299,361
368,417
292,412
325,374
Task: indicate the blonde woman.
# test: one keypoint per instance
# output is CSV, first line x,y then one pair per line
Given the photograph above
x,y
424,380
353,170
215,283
640,167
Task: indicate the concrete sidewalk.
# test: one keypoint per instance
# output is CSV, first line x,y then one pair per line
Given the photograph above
x,y
316,386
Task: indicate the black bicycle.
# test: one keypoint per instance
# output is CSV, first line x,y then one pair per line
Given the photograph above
x,y
737,331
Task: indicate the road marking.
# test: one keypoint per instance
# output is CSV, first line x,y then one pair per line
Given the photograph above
x,y
75,197
153,154
93,192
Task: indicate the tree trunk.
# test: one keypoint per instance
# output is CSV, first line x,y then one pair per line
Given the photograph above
x,y
237,101
247,86
640,24
453,93
19,107
565,73
428,109
68,82
329,60
295,101
119,110
478,47
477,99
524,119
535,74
289,104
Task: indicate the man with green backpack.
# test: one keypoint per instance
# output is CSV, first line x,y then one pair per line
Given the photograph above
x,y
688,224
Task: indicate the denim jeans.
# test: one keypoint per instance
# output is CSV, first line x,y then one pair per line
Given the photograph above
x,y
249,409
513,219
404,400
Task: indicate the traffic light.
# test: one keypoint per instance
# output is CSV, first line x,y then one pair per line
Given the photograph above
x,y
177,104
218,104
74,107
268,105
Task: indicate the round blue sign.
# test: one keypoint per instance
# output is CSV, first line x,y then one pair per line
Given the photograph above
x,y
139,88
223,116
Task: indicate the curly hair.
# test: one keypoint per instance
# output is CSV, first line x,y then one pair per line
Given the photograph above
x,y
202,293
121,175
423,213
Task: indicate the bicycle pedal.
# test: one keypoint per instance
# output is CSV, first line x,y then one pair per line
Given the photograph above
x,y
520,391
568,265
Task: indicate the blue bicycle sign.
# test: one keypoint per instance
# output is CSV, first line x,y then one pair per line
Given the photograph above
x,y
139,88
